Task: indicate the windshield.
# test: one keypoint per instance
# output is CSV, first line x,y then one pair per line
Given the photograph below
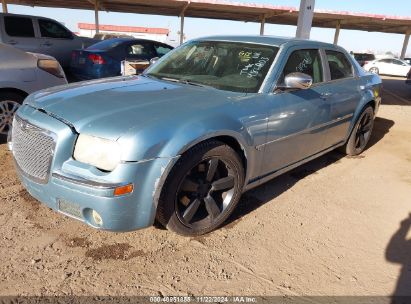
x,y
230,66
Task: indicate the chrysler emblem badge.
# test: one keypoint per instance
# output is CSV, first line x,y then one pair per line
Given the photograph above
x,y
23,125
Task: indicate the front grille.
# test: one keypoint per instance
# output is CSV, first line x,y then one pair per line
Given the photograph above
x,y
33,149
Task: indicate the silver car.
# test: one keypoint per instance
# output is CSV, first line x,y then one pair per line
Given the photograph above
x,y
21,74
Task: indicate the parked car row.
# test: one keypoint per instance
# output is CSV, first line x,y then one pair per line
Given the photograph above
x,y
88,58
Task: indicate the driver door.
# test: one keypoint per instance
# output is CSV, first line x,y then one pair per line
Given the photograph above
x,y
298,120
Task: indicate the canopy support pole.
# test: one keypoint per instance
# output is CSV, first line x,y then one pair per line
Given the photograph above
x,y
262,25
96,11
182,22
405,44
4,5
337,32
305,19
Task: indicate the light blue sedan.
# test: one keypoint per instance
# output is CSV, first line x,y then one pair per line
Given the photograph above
x,y
180,143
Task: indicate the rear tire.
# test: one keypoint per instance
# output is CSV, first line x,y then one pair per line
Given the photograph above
x,y
202,189
360,134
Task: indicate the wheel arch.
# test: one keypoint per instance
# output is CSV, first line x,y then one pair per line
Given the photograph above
x,y
228,138
370,102
13,90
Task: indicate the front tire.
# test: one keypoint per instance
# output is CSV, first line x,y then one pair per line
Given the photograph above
x,y
361,133
202,189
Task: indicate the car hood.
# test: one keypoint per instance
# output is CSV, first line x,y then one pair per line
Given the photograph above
x,y
111,107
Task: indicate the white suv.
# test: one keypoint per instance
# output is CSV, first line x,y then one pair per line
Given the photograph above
x,y
41,35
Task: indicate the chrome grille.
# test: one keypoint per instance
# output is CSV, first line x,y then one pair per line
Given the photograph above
x,y
33,149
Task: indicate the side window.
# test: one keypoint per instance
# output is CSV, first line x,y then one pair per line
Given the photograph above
x,y
397,62
162,49
386,61
340,67
52,29
140,50
304,61
18,26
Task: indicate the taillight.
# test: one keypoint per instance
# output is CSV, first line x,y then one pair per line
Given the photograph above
x,y
73,55
96,59
366,62
51,66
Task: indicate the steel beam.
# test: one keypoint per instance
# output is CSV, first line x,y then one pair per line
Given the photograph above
x,y
405,44
337,32
4,5
305,19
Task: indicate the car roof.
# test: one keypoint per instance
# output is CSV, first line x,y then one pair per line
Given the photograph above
x,y
270,40
127,39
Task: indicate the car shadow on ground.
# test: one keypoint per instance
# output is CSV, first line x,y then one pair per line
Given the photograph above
x,y
399,251
395,91
255,198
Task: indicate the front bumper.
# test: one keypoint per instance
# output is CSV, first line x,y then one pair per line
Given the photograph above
x,y
76,189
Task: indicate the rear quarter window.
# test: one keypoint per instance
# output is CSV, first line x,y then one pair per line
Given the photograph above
x,y
340,66
18,26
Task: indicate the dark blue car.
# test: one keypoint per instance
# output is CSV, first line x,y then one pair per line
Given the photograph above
x,y
103,59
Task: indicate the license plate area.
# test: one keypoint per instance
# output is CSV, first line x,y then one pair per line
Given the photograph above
x,y
69,208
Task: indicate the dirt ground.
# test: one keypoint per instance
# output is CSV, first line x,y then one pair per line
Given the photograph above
x,y
331,227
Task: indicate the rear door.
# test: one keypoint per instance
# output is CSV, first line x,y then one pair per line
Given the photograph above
x,y
19,32
56,40
343,95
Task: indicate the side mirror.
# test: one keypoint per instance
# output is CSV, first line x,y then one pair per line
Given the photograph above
x,y
154,60
298,80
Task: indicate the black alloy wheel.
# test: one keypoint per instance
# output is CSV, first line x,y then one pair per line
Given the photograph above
x,y
202,190
205,192
361,133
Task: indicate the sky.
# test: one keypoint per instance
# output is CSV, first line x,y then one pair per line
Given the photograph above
x,y
195,27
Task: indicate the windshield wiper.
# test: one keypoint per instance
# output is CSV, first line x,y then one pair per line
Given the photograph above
x,y
185,81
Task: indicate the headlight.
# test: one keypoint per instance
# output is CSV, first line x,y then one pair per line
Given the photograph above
x,y
51,66
99,152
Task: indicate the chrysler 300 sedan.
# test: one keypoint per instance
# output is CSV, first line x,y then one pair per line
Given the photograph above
x,y
180,143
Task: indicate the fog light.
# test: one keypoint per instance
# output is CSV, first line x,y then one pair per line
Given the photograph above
x,y
97,218
123,190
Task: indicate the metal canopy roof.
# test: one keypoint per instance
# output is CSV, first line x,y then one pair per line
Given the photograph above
x,y
218,9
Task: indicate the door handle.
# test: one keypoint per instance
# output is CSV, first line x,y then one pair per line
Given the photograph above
x,y
326,95
12,42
